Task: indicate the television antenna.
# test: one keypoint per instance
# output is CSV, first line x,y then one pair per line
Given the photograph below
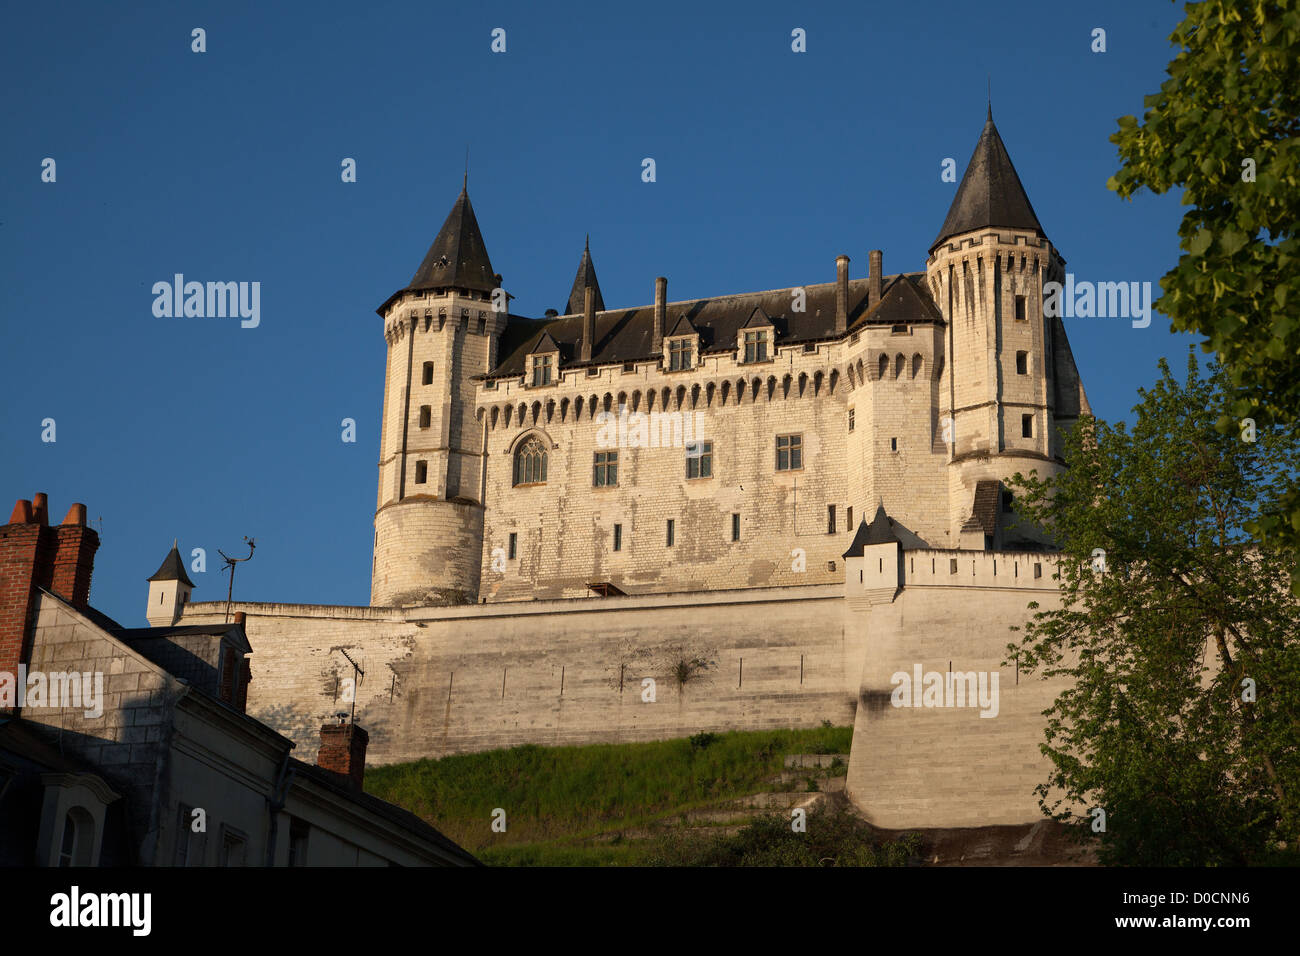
x,y
230,566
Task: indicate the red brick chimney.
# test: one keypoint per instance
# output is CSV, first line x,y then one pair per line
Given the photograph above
x,y
343,750
33,555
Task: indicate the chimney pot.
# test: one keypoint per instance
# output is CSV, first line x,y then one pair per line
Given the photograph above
x,y
40,508
22,513
76,516
240,617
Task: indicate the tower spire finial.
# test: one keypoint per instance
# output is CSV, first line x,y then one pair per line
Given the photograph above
x,y
465,182
990,82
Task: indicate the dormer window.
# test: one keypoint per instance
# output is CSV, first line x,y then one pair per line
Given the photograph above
x,y
680,355
542,365
755,347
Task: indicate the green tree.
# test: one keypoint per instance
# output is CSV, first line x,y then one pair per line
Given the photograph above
x,y
1224,128
1170,613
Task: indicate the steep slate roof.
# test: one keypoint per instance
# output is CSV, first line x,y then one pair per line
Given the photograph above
x,y
545,344
172,569
883,530
625,335
683,327
984,512
990,193
458,257
880,531
586,277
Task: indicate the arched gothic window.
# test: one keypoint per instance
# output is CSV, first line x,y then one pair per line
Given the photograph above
x,y
530,463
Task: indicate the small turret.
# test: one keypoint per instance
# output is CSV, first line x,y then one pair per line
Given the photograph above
x,y
169,590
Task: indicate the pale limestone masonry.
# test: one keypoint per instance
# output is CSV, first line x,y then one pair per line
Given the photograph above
x,y
913,397
450,680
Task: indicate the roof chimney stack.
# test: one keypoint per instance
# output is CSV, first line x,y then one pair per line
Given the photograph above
x,y
343,751
841,294
661,312
877,269
588,322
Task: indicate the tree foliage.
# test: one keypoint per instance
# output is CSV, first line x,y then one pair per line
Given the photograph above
x,y
1178,634
1224,128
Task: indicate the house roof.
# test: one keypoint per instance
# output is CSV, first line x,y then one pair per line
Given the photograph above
x,y
624,335
990,193
586,277
382,808
172,569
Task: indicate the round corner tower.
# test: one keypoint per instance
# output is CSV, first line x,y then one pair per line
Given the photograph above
x,y
1011,383
441,330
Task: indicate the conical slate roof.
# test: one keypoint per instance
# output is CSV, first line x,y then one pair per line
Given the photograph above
x,y
458,258
172,569
586,277
990,194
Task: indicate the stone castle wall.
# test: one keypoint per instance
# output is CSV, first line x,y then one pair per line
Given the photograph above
x,y
570,672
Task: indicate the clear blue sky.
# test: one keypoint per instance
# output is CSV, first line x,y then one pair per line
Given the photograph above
x,y
225,166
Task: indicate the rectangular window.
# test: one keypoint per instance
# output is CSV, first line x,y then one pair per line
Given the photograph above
x,y
514,546
233,844
189,845
482,324
670,532
893,444
542,370
789,452
679,355
830,519
1022,363
426,415
699,460
1027,426
605,471
618,537
1020,308
848,524
851,419
735,527
428,373
421,472
755,346
899,330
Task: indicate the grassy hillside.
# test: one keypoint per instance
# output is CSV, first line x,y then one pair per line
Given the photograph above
x,y
611,804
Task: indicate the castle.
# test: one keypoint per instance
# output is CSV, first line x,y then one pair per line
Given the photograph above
x,y
813,404
801,488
